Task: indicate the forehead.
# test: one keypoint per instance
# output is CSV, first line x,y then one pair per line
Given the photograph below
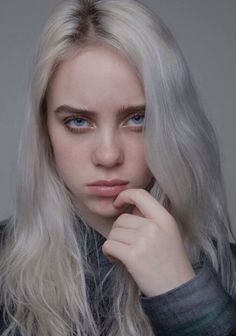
x,y
94,77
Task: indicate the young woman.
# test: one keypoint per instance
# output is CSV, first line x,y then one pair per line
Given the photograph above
x,y
121,224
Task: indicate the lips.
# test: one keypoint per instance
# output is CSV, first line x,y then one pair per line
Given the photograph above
x,y
107,188
108,183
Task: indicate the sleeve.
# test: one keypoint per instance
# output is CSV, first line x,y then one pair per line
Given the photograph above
x,y
199,307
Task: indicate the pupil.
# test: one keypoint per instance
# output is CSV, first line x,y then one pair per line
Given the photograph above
x,y
78,120
138,118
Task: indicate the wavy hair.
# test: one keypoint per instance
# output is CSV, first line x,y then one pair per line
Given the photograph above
x,y
44,259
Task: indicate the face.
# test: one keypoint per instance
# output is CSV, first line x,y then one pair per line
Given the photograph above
x,y
104,142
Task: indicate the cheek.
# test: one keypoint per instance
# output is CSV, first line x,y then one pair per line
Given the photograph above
x,y
67,154
135,153
70,158
64,147
69,166
136,156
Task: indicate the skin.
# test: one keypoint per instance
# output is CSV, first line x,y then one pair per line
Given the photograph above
x,y
139,230
108,147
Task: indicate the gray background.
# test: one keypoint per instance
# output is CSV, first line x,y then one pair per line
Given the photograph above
x,y
204,29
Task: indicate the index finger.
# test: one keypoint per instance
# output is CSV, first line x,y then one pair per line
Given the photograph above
x,y
144,201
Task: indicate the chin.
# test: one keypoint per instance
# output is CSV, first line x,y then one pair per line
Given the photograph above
x,y
105,208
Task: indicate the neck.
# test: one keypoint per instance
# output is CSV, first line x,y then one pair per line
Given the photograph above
x,y
100,224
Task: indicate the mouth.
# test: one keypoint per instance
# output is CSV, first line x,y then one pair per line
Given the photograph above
x,y
107,191
108,183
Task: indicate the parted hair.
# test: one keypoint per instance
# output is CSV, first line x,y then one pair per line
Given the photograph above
x,y
43,261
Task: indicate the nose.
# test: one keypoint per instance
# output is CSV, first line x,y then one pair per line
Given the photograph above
x,y
108,151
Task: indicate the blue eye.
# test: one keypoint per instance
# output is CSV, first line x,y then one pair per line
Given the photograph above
x,y
75,124
78,121
138,118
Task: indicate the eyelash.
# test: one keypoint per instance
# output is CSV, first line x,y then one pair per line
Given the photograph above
x,y
82,129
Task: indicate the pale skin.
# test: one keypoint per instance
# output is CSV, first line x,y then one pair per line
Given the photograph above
x,y
147,239
149,244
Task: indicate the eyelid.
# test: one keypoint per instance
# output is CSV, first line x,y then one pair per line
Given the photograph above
x,y
76,116
81,116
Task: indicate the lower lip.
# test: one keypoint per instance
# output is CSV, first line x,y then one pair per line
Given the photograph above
x,y
106,191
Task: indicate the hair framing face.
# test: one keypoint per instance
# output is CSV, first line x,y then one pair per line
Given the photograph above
x,y
182,153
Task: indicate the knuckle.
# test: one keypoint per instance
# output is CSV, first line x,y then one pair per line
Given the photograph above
x,y
124,216
141,192
170,224
105,246
114,232
121,219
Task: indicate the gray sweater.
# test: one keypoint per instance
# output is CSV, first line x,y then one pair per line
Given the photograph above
x,y
199,307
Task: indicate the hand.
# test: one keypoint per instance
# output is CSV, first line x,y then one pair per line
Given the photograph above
x,y
149,244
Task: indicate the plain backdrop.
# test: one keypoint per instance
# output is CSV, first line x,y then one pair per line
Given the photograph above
x,y
205,31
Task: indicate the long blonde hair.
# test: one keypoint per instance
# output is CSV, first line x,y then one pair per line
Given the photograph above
x,y
43,262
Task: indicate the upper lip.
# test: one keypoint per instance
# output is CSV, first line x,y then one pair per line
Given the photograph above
x,y
108,183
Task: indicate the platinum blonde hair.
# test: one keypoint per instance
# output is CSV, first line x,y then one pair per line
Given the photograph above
x,y
44,261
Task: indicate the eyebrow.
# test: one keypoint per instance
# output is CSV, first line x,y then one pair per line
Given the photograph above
x,y
66,109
